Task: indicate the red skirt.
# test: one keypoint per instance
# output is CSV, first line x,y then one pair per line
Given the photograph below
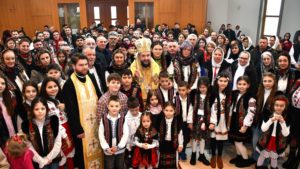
x,y
144,158
65,149
272,144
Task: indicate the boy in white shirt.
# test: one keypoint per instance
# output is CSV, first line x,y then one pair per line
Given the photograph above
x,y
132,120
113,135
184,110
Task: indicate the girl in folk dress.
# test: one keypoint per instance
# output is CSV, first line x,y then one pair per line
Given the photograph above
x,y
273,142
44,135
171,137
220,101
265,95
153,104
146,141
201,115
30,91
50,90
242,113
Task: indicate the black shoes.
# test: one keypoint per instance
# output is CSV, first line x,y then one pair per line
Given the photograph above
x,y
236,159
241,163
203,159
193,159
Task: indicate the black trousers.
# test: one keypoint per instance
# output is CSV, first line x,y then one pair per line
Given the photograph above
x,y
186,135
78,157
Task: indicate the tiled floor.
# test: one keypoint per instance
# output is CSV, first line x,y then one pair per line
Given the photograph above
x,y
229,153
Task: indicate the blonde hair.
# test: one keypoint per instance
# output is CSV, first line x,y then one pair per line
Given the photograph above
x,y
17,145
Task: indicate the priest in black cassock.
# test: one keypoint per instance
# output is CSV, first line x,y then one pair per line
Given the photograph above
x,y
80,95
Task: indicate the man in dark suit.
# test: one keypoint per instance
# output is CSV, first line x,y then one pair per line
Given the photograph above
x,y
103,55
69,37
95,69
229,33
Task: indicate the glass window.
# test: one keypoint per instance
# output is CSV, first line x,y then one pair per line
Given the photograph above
x,y
273,7
145,12
271,25
69,13
113,22
127,15
96,12
97,22
113,10
272,17
127,12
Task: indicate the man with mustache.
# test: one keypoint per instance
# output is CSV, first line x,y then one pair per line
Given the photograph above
x,y
80,95
144,68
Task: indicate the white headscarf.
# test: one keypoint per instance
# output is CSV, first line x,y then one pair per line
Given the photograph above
x,y
249,44
213,63
276,43
240,71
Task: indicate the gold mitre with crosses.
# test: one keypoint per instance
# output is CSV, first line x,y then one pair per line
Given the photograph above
x,y
143,45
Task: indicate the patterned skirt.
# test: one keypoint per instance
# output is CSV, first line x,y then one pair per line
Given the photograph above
x,y
67,151
144,158
197,132
167,157
235,134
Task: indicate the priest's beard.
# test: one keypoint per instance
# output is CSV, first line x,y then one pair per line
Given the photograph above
x,y
81,73
145,65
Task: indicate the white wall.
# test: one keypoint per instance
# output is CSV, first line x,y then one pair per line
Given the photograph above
x,y
290,17
217,13
244,13
237,12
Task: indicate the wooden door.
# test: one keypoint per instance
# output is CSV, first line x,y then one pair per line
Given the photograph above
x,y
145,12
101,11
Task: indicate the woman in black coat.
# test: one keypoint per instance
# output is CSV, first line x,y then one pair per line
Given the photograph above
x,y
217,65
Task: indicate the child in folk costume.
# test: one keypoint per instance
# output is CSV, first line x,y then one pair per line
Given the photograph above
x,y
171,138
146,142
153,104
113,135
50,90
19,155
242,113
201,113
53,70
273,142
130,88
132,119
165,91
44,135
220,101
184,110
265,95
30,91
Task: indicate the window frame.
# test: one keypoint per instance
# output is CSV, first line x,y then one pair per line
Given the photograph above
x,y
265,16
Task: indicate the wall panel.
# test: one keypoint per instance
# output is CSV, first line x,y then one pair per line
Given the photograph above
x,y
32,15
171,11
